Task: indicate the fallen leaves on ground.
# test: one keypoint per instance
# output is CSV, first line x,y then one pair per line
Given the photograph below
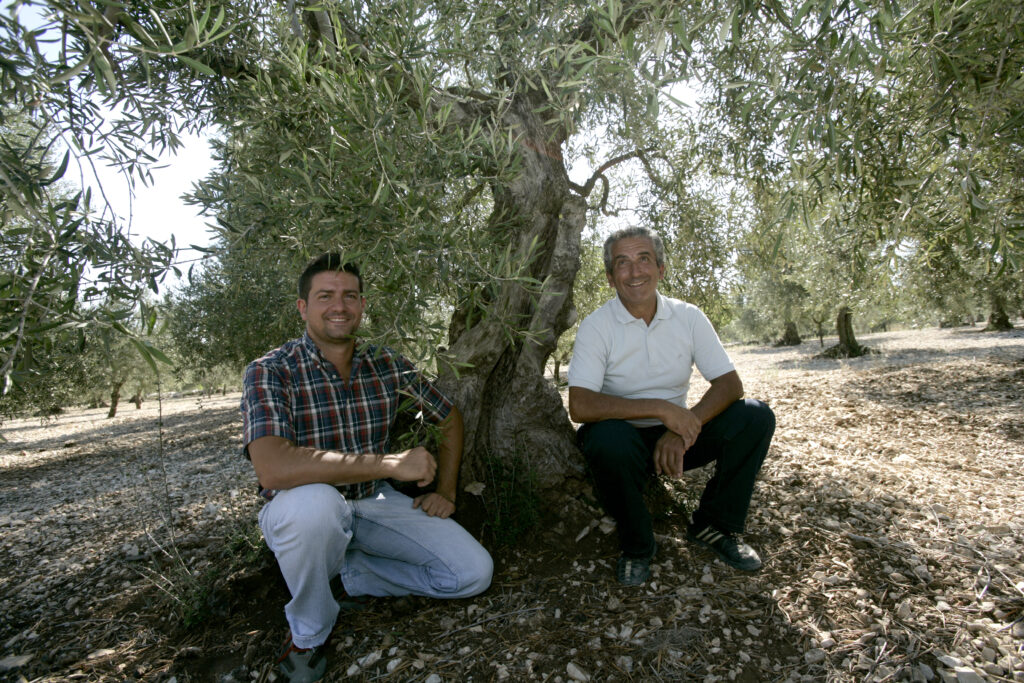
x,y
890,513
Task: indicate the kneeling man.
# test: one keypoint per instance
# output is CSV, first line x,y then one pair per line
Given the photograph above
x,y
317,415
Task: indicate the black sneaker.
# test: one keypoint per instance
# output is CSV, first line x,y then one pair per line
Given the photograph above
x,y
729,549
302,665
633,571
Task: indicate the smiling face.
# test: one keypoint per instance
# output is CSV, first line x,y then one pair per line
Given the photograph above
x,y
635,274
333,309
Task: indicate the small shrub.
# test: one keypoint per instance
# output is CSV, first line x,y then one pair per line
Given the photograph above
x,y
513,504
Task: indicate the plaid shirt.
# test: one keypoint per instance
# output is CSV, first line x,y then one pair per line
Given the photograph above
x,y
295,393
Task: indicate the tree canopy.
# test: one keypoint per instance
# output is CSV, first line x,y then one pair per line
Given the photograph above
x,y
433,143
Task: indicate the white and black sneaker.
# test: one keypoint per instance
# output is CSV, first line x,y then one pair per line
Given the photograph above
x,y
729,549
302,665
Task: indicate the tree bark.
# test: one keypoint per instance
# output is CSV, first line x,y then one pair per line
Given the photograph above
x,y
115,396
509,409
998,319
848,347
791,336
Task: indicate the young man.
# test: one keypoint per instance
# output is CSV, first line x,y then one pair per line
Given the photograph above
x,y
317,415
628,381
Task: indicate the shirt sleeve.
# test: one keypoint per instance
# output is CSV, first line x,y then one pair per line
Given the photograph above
x,y
266,408
589,358
709,355
421,391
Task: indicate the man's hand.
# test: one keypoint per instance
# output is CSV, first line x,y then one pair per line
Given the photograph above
x,y
668,455
683,422
435,505
415,464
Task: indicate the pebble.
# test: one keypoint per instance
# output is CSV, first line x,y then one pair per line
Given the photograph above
x,y
966,674
575,673
14,662
433,678
815,656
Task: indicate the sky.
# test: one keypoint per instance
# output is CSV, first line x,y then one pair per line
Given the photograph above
x,y
157,210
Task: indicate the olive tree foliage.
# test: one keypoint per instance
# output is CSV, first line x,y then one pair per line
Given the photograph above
x,y
81,85
430,142
895,123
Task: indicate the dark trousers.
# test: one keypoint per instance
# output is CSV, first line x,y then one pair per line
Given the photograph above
x,y
619,456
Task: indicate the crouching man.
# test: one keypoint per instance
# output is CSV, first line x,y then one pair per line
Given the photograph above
x,y
317,416
628,381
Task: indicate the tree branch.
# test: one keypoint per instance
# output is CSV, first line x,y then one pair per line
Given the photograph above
x,y
586,189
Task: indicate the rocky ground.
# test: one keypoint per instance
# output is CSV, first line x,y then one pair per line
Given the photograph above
x,y
890,513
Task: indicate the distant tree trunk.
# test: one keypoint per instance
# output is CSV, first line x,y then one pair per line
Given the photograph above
x,y
115,396
998,320
820,323
847,346
557,371
791,336
137,400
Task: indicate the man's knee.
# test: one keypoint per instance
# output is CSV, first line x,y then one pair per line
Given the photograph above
x,y
604,444
312,513
475,572
761,416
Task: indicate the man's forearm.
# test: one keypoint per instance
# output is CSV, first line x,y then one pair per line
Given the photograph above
x,y
586,405
723,392
449,455
280,464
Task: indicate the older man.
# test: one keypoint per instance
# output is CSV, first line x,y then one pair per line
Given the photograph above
x,y
628,381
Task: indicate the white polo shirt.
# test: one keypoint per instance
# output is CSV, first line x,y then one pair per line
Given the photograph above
x,y
620,355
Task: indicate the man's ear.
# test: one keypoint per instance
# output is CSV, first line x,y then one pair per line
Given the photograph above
x,y
301,305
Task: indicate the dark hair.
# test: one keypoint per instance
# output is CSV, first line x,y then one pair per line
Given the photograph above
x,y
655,238
331,261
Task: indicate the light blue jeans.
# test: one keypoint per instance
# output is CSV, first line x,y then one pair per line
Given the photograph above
x,y
380,545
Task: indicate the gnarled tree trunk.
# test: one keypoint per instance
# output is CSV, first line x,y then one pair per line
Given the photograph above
x,y
998,319
791,336
848,347
510,411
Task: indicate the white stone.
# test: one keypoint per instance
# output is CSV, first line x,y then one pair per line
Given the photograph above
x,y
576,673
965,674
815,656
370,659
14,661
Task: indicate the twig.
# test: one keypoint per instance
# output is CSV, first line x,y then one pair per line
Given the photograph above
x,y
495,617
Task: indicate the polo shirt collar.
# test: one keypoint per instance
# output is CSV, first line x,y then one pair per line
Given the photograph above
x,y
623,316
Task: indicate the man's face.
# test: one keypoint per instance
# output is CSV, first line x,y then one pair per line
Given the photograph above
x,y
334,307
635,271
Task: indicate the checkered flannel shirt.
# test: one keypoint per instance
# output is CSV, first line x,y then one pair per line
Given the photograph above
x,y
295,393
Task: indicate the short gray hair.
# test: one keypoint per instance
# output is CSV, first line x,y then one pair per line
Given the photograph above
x,y
655,238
